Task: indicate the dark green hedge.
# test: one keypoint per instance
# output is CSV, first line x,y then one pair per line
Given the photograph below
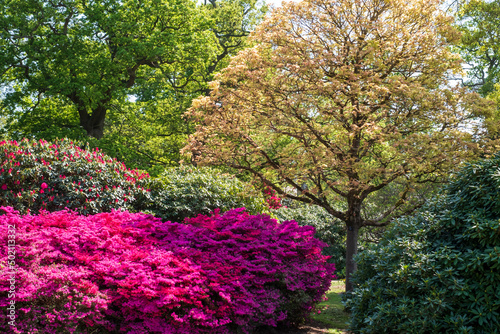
x,y
438,271
182,192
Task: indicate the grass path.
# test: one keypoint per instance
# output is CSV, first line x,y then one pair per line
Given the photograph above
x,y
332,316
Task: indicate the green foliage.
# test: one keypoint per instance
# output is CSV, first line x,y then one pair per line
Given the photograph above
x,y
438,271
479,22
328,229
38,175
145,135
90,55
231,22
182,192
42,122
121,72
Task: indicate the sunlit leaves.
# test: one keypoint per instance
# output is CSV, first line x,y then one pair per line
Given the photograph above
x,y
345,96
336,100
91,54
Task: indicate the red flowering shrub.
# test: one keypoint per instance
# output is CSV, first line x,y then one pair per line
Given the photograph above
x,y
38,175
120,272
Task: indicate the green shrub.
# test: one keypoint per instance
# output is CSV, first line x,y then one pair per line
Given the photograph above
x,y
328,229
182,192
438,271
38,175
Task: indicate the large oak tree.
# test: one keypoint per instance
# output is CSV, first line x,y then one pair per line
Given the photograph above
x,y
339,100
123,70
89,53
150,131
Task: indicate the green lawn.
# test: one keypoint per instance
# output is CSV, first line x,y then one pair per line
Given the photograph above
x,y
332,311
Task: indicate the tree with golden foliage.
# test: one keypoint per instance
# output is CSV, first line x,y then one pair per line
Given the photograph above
x,y
339,99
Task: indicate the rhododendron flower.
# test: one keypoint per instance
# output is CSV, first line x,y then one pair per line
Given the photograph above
x,y
91,171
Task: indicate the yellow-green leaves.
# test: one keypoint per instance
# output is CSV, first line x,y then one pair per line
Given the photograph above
x,y
339,101
358,90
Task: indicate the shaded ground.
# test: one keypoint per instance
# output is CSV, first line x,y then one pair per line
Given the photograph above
x,y
332,319
312,328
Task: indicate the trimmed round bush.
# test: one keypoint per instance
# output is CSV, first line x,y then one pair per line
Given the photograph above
x,y
328,229
438,271
124,272
182,192
38,175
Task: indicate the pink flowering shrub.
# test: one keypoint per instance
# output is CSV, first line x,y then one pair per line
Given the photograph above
x,y
122,272
272,199
38,175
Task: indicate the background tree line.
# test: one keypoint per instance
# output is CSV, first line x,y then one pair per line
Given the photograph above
x,y
118,74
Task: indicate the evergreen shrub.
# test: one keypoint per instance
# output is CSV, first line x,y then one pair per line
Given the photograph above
x,y
182,192
124,272
439,270
38,175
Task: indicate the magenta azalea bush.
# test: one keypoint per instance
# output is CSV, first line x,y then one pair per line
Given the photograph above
x,y
122,272
38,175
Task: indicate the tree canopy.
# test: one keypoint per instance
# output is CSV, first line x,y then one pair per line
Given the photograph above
x,y
339,100
90,53
124,69
479,22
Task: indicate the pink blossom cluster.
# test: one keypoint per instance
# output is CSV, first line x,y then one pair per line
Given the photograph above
x,y
132,273
272,199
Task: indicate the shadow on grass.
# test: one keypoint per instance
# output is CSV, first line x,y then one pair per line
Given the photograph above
x,y
331,320
332,316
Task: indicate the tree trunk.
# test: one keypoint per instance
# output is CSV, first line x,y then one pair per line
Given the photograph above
x,y
94,123
351,250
